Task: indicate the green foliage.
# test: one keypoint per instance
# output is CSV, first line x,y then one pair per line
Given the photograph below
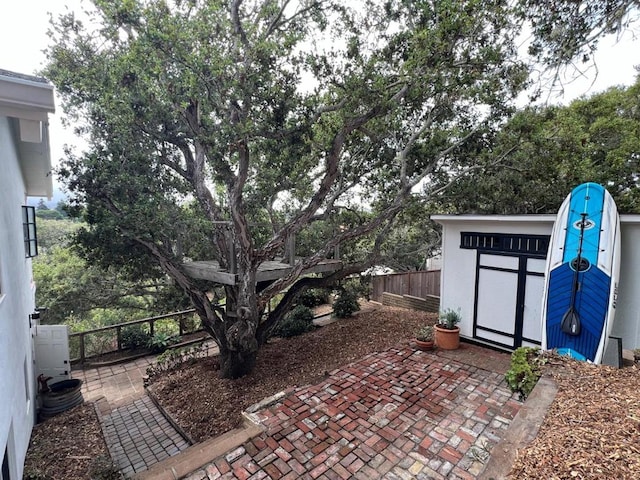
x,y
202,144
297,322
172,359
314,297
190,323
346,304
524,371
449,318
425,333
161,341
546,151
49,215
135,336
567,32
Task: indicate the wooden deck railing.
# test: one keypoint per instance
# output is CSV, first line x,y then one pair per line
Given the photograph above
x,y
111,335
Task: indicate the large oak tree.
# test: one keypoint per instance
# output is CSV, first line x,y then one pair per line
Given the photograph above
x,y
245,123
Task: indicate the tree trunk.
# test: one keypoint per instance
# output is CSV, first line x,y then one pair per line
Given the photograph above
x,y
239,349
236,363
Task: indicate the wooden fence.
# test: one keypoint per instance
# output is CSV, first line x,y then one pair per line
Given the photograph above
x,y
98,341
416,284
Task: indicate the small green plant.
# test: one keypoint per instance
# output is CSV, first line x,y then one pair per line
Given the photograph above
x,y
134,336
524,372
346,304
172,359
314,297
160,342
449,318
297,322
425,333
190,323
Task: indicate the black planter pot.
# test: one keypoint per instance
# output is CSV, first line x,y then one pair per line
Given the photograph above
x,y
62,396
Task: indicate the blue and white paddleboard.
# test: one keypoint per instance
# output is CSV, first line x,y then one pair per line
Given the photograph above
x,y
581,276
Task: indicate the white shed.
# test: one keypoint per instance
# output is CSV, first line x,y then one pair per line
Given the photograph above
x,y
493,271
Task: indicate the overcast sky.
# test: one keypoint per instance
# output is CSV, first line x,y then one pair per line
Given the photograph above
x,y
24,23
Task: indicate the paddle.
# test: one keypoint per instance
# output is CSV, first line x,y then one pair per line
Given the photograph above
x,y
571,320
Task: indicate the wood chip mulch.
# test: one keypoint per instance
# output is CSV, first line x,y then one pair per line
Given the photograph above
x,y
206,406
592,428
69,446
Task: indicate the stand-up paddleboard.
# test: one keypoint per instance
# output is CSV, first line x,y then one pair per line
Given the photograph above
x,y
581,277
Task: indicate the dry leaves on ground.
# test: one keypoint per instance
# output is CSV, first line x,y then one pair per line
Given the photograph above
x,y
592,428
68,446
205,405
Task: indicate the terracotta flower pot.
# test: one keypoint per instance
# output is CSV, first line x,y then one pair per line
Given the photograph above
x,y
447,339
424,346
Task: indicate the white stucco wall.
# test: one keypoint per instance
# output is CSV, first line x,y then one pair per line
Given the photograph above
x,y
627,321
457,287
17,292
458,272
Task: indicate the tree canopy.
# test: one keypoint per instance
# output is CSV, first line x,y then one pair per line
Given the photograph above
x,y
245,123
549,150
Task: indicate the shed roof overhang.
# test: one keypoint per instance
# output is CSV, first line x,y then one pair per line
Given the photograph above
x,y
547,218
27,101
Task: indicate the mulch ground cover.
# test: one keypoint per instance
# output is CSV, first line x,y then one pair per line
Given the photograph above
x,y
592,428
205,405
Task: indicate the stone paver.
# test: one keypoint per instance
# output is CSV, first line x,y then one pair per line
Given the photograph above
x,y
121,384
397,414
118,384
138,436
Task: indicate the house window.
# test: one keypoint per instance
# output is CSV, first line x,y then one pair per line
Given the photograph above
x,y
506,243
29,229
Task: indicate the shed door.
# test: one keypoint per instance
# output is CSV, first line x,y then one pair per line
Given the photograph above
x,y
508,299
52,352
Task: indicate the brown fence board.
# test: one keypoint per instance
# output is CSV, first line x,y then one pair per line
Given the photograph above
x,y
416,284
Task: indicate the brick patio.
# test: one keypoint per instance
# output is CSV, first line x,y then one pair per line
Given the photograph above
x,y
397,414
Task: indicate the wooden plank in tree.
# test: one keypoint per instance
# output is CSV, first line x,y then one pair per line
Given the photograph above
x,y
209,270
267,271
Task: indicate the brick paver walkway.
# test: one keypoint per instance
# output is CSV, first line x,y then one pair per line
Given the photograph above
x,y
119,384
138,436
397,414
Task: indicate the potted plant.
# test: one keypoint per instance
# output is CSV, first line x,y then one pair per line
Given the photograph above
x,y
424,338
447,330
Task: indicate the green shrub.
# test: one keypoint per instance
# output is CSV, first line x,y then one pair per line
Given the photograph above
x,y
297,322
171,359
525,370
346,304
161,341
191,323
135,336
99,343
313,297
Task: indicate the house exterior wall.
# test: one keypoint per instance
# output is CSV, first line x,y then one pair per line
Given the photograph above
x,y
458,281
17,301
